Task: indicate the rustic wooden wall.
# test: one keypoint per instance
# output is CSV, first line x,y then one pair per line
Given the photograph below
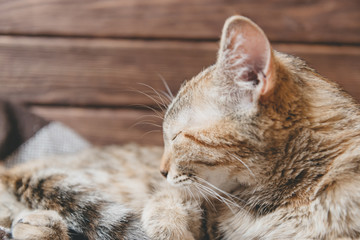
x,y
81,61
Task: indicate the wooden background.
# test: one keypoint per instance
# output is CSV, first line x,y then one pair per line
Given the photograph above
x,y
81,61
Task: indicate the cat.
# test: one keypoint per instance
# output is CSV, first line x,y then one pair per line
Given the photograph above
x,y
257,146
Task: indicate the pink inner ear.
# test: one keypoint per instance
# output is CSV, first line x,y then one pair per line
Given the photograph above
x,y
245,53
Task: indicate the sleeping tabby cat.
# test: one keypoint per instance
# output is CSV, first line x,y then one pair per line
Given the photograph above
x,y
257,146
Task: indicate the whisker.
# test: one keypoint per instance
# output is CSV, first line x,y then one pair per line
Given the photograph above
x,y
187,192
214,192
166,86
205,197
218,189
159,104
211,192
158,113
144,122
150,123
156,92
166,95
198,197
230,198
149,115
218,197
251,172
152,131
191,193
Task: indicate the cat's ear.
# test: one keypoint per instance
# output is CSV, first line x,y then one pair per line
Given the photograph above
x,y
245,56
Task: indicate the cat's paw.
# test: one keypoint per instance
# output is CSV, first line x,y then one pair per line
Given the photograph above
x,y
165,225
39,225
5,216
166,217
4,233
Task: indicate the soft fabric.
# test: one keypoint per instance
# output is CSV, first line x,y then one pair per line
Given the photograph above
x,y
25,136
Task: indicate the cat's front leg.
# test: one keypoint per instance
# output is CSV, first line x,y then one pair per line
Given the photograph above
x,y
168,215
9,207
39,225
5,233
5,216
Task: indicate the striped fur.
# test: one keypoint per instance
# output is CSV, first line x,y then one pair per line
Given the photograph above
x,y
100,194
267,140
85,205
257,146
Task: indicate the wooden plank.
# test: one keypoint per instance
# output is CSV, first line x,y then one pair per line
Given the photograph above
x,y
107,126
100,72
283,20
95,72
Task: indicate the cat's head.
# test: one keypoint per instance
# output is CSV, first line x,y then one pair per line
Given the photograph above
x,y
216,128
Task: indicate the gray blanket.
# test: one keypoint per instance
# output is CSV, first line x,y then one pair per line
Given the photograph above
x,y
25,136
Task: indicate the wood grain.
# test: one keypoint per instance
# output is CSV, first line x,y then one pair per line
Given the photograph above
x,y
107,126
95,72
99,72
283,20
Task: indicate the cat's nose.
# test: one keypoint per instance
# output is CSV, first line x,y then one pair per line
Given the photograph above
x,y
165,164
164,173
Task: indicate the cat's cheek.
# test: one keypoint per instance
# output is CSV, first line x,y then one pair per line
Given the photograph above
x,y
218,177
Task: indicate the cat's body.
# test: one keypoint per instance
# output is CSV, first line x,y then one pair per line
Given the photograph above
x,y
100,194
82,183
258,146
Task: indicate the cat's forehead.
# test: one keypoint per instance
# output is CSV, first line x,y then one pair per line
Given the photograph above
x,y
194,106
188,92
196,116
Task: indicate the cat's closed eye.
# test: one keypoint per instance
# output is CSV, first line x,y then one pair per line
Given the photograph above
x,y
175,136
